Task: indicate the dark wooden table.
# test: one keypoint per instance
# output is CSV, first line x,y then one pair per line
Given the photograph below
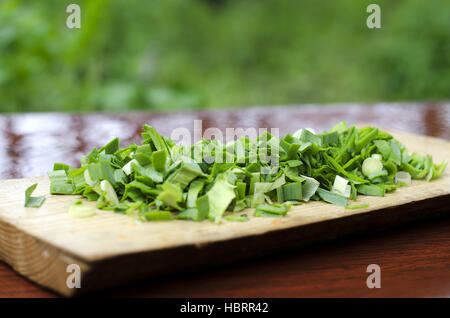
x,y
414,259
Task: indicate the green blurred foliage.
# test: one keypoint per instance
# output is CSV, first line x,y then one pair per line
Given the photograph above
x,y
179,54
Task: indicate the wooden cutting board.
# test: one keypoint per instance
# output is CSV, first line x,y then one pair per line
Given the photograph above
x,y
111,249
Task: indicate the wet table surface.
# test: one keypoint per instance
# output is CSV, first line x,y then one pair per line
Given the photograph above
x,y
414,260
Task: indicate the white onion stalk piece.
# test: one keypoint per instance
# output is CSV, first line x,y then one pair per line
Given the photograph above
x,y
111,195
371,166
403,177
88,178
127,168
340,185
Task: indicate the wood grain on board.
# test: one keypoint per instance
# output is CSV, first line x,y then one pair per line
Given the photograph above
x,y
111,248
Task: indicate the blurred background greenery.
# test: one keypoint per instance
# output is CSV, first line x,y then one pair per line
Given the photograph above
x,y
184,54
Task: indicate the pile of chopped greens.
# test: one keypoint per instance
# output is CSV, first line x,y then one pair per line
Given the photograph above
x,y
160,180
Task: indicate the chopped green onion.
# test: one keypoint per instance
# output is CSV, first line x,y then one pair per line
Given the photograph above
x,y
331,197
371,166
292,191
33,202
402,177
340,186
159,160
274,210
158,216
261,213
371,189
159,180
81,211
192,195
127,168
237,218
110,193
171,195
60,182
309,187
218,198
87,177
354,207
60,166
190,214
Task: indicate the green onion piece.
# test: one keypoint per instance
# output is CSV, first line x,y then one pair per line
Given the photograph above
x,y
331,197
78,179
190,214
60,182
158,142
98,171
61,166
395,155
159,160
280,194
340,186
340,127
88,178
148,172
372,166
171,195
185,174
309,136
383,147
438,170
111,147
254,179
402,177
240,190
92,193
217,199
309,188
264,187
240,205
259,213
280,209
369,137
237,218
192,195
110,193
158,216
292,174
355,207
81,211
390,187
371,189
128,167
33,202
292,192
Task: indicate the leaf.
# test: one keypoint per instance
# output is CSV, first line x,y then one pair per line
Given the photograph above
x,y
33,202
